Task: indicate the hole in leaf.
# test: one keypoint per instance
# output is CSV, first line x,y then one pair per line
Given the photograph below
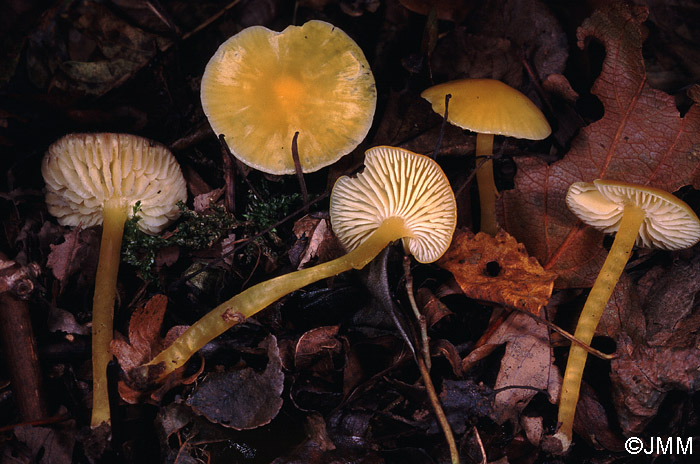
x,y
493,269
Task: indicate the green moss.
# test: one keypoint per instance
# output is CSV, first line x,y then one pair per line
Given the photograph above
x,y
263,213
194,230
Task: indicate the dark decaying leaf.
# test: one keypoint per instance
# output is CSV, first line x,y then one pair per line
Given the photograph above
x,y
498,269
77,253
60,320
316,349
643,375
101,52
641,139
52,445
665,357
447,10
494,46
592,422
464,402
242,399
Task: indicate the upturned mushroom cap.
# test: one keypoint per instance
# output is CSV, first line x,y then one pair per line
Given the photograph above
x,y
488,106
396,183
262,86
84,171
670,224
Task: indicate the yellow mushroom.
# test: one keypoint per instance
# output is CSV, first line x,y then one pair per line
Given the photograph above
x,y
96,179
488,107
399,195
650,217
262,86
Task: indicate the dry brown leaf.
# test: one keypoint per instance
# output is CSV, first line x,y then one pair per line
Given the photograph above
x,y
498,269
432,308
527,362
315,350
316,241
78,252
143,344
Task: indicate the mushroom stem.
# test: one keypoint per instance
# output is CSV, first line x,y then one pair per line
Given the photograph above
x,y
486,183
114,217
632,218
258,297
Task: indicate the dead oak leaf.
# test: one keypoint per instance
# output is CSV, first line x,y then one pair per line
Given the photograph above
x,y
143,344
498,269
640,139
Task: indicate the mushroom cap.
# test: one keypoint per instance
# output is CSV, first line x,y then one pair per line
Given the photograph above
x,y
669,224
396,183
262,86
488,106
84,171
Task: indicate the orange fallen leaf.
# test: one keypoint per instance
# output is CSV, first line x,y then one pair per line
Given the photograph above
x,y
498,269
143,344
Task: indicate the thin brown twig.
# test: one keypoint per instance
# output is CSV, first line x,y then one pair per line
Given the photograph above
x,y
425,343
442,126
210,20
229,176
297,168
479,163
48,420
568,336
439,413
481,446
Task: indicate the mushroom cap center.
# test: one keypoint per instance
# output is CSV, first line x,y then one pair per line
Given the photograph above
x,y
289,91
262,86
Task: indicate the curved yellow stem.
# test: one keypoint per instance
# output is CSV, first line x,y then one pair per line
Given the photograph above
x,y
114,216
603,287
486,184
258,297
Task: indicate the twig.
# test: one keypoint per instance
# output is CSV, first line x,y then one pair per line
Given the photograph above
x,y
297,168
17,338
480,161
568,336
439,413
425,344
210,20
229,176
442,126
45,421
481,446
